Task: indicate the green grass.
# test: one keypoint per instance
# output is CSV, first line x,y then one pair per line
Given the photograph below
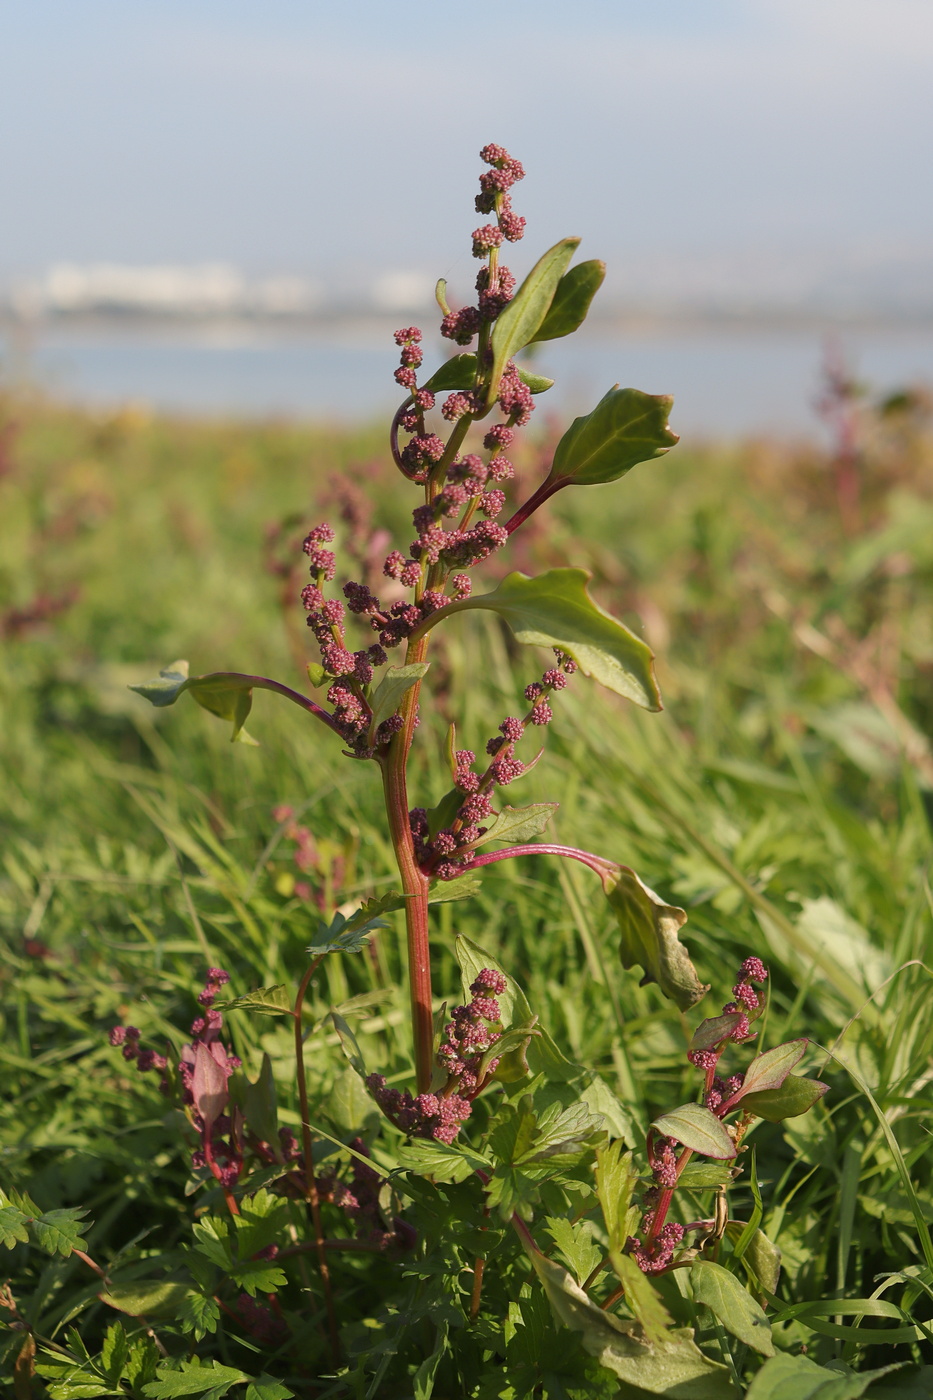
x,y
771,799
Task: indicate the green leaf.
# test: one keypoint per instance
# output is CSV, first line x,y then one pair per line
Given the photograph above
x,y
572,300
157,1299
390,692
258,1100
616,1180
227,694
761,1257
575,1242
649,930
267,1001
444,814
704,1176
642,1297
348,1105
795,1096
517,824
343,935
626,427
459,372
697,1128
115,1351
537,383
555,610
59,1231
720,1291
786,1377
464,887
674,1366
13,1226
519,322
267,1388
768,1071
191,1378
349,1043
198,1314
441,1161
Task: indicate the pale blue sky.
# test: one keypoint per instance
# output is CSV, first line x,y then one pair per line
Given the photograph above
x,y
297,135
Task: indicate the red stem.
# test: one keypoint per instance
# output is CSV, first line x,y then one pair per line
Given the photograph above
x,y
543,493
295,696
600,864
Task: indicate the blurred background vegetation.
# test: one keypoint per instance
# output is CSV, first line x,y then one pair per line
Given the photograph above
x,y
784,798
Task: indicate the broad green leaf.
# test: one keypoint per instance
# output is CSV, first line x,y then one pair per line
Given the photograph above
x,y
258,1100
519,322
704,1176
642,1297
511,1051
795,1096
715,1030
348,1104
626,427
258,1276
761,1257
674,1366
561,1134
517,824
464,887
786,1377
191,1378
555,610
443,1162
737,1310
575,1242
572,300
649,929
697,1128
768,1071
599,1098
267,1388
459,372
543,1055
444,814
158,1299
59,1231
198,1314
267,1001
390,692
616,1180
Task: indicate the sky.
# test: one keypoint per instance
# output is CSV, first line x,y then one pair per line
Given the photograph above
x,y
292,135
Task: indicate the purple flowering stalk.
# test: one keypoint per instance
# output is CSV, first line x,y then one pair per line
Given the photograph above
x,y
457,460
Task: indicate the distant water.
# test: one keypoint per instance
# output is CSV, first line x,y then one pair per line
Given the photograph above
x,y
725,382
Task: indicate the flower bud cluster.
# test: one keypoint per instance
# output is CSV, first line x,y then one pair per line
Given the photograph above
x,y
358,1198
465,1041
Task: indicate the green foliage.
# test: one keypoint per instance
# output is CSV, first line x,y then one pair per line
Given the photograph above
x,y
649,930
626,427
519,323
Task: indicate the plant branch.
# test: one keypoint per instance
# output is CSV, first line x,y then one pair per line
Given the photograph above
x,y
600,864
547,489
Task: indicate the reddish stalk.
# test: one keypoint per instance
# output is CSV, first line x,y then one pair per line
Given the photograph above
x,y
543,493
600,864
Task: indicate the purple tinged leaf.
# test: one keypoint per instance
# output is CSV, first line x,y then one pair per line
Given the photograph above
x,y
697,1128
795,1096
209,1085
769,1071
715,1030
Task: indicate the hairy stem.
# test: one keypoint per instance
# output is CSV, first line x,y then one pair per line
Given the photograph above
x,y
414,882
311,1191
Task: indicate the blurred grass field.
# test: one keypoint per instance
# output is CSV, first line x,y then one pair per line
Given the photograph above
x,y
784,798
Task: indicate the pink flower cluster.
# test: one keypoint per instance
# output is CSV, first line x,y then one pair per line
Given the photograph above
x,y
466,1039
451,849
